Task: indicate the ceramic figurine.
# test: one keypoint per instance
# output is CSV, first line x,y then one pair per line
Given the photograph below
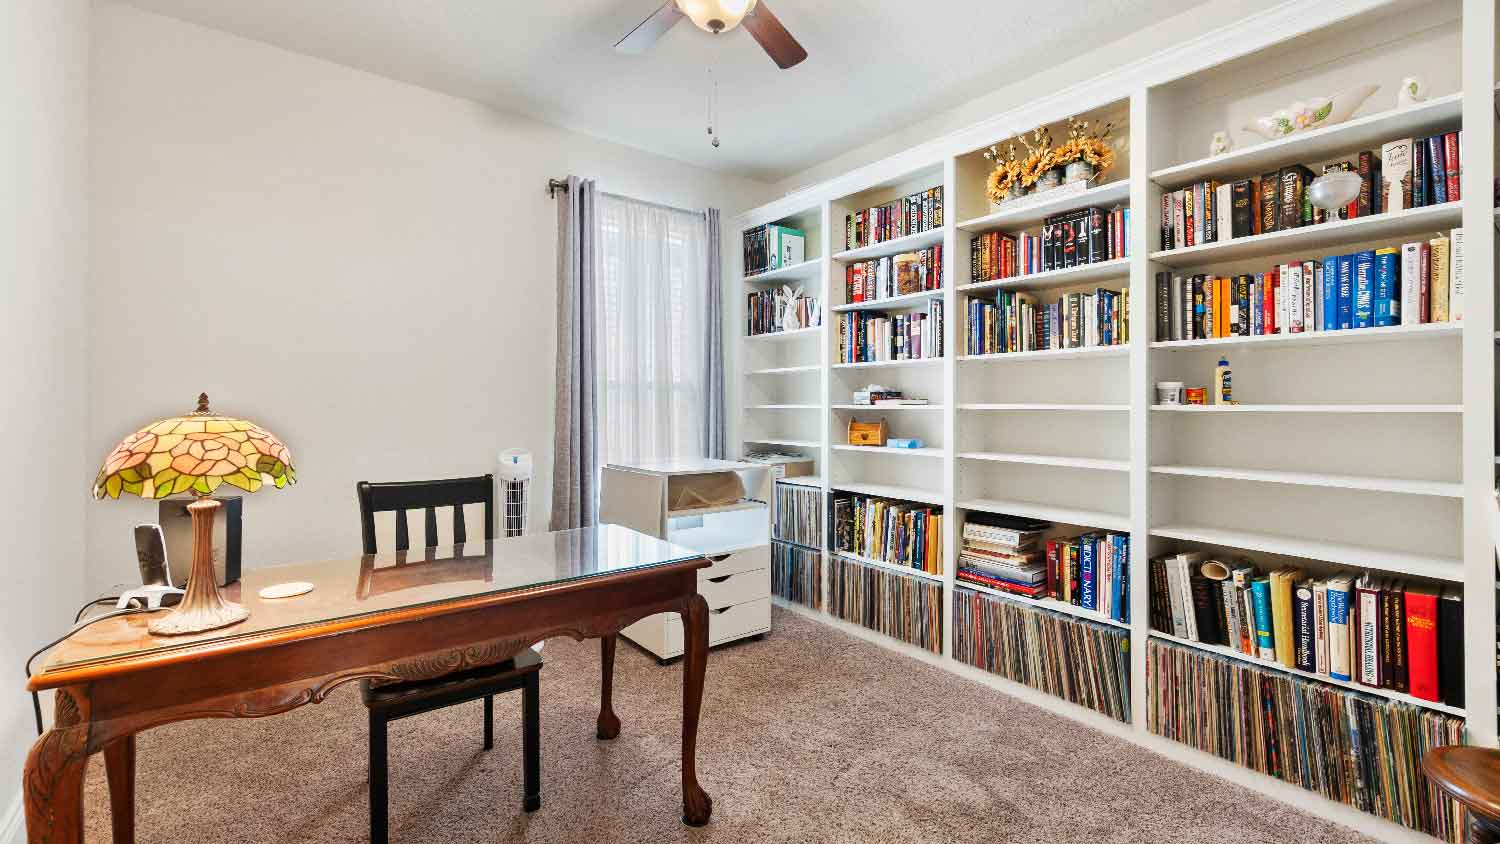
x,y
1220,143
1312,113
786,302
1412,91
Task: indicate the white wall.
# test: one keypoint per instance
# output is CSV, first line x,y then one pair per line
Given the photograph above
x,y
44,402
364,267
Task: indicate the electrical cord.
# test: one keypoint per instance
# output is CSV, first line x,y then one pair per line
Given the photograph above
x,y
36,700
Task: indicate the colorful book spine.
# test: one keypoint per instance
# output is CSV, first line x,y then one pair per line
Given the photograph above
x,y
1265,636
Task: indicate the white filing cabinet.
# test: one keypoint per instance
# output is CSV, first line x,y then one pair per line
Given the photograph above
x,y
662,499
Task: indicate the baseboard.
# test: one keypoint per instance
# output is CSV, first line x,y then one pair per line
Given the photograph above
x,y
13,822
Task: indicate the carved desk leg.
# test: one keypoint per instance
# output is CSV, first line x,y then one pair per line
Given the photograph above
x,y
53,779
119,767
696,805
1481,830
609,723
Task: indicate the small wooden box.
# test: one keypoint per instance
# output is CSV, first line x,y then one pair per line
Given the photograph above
x,y
868,433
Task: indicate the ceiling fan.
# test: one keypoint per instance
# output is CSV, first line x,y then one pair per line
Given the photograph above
x,y
718,16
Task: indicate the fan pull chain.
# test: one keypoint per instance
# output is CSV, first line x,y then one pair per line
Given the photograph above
x,y
713,108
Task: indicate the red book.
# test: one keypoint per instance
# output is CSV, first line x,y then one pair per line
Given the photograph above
x,y
1422,641
1451,164
1052,568
1273,283
969,576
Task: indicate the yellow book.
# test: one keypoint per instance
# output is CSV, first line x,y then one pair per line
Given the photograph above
x,y
1439,280
1282,581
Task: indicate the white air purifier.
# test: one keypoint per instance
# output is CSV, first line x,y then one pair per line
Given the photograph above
x,y
514,474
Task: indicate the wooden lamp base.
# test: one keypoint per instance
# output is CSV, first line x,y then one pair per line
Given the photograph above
x,y
202,608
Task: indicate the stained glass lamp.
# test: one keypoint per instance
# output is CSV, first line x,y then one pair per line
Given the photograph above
x,y
196,454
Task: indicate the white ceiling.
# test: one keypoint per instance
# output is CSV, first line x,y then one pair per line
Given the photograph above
x,y
874,66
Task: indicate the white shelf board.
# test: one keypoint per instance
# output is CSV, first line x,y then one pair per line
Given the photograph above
x,y
885,407
1094,463
1025,214
1232,653
785,370
809,331
1042,603
690,512
1309,408
815,481
920,240
905,452
788,443
891,303
1118,350
1365,132
845,555
1369,483
1320,237
1047,512
864,364
811,270
1065,277
1429,330
907,493
1041,406
1357,556
782,407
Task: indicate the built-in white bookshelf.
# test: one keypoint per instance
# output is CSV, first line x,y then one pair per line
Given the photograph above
x,y
1358,450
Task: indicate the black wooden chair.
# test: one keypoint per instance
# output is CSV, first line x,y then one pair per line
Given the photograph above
x,y
391,701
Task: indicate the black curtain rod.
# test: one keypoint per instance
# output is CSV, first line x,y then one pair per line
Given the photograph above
x,y
555,185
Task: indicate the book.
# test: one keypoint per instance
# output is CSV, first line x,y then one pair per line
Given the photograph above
x,y
1367,631
1304,629
1270,202
1340,594
1364,288
1294,181
1206,603
1320,626
1422,641
1456,275
1282,581
1451,645
1452,167
1386,306
1265,629
1396,172
1241,210
1438,279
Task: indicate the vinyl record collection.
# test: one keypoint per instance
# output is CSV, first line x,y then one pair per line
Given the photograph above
x,y
1344,745
905,608
1079,661
797,574
797,515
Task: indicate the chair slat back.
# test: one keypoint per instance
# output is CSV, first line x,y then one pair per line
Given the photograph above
x,y
427,496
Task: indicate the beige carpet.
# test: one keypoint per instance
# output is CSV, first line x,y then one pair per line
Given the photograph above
x,y
810,735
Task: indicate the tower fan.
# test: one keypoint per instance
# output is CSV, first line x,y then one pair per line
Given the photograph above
x,y
515,477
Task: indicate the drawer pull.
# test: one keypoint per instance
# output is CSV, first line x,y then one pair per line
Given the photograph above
x,y
717,558
722,611
720,579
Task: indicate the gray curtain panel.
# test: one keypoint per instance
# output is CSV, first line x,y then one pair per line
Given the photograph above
x,y
715,420
575,446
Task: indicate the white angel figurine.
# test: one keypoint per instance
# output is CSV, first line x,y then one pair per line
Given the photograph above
x,y
1411,92
1220,143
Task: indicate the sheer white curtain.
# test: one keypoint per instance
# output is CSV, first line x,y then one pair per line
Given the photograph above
x,y
652,301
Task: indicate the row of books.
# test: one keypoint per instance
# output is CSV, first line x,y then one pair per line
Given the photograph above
x,y
1014,322
909,609
797,514
870,336
1346,746
797,574
1010,554
771,247
1403,174
764,316
901,533
918,212
1075,238
1384,633
1419,282
894,275
1077,660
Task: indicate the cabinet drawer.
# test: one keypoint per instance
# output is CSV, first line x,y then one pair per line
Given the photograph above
x,y
735,562
725,624
730,589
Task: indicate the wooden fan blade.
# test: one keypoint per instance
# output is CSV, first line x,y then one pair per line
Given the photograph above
x,y
773,37
640,39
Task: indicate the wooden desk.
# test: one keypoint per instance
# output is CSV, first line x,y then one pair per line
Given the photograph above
x,y
385,617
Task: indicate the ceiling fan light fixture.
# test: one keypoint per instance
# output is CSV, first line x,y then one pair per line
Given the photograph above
x,y
716,15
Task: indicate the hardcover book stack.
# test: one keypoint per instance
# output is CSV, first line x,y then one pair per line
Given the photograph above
x,y
772,247
1346,746
1077,660
1004,553
1414,283
1015,322
906,608
870,336
1402,174
1084,236
766,318
1384,633
908,215
901,533
894,275
797,574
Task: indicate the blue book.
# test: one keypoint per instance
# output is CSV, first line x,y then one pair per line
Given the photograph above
x,y
1127,229
1117,577
1364,288
1257,305
1088,595
1265,635
1346,291
1387,283
1330,291
1437,172
1338,629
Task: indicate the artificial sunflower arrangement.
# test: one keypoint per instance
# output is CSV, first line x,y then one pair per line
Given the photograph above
x,y
1040,157
1005,175
1082,145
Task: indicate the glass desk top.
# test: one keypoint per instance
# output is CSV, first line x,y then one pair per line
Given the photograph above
x,y
374,583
